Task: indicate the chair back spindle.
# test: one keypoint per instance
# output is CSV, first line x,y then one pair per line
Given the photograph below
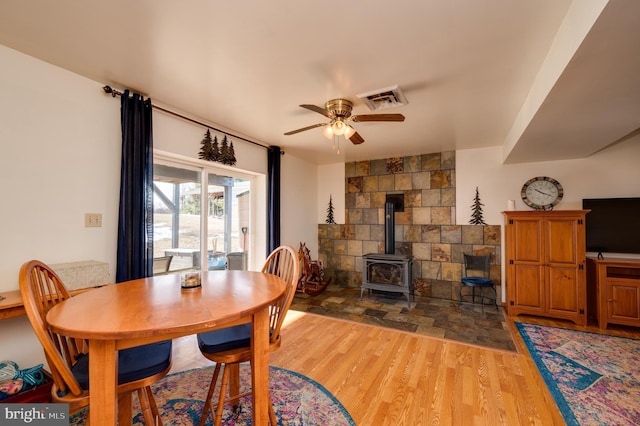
x,y
284,263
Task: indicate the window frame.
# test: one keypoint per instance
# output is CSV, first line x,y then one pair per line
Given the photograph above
x,y
257,204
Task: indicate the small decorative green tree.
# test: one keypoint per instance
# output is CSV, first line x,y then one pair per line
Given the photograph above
x,y
330,212
224,150
476,215
211,151
215,150
206,151
232,155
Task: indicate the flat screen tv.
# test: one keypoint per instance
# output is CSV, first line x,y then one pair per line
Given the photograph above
x,y
613,225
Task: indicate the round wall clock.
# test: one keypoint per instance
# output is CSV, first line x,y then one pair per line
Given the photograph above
x,y
542,193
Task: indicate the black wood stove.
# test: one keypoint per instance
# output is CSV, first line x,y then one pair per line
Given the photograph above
x,y
389,271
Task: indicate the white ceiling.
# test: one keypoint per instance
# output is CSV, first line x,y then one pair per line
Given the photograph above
x,y
475,73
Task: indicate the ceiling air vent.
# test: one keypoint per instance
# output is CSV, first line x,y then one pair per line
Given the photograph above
x,y
389,97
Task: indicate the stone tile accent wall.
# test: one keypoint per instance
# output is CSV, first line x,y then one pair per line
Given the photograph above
x,y
426,229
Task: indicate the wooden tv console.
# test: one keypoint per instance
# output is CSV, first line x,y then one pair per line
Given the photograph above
x,y
614,291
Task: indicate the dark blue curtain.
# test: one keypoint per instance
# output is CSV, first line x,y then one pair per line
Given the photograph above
x,y
273,198
135,221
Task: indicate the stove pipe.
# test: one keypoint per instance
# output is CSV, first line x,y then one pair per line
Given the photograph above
x,y
389,227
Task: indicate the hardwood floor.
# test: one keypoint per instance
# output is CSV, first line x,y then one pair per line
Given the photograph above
x,y
389,377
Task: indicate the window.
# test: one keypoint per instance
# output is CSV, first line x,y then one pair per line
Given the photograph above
x,y
201,225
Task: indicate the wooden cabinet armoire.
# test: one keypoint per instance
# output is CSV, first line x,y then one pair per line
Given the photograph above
x,y
546,264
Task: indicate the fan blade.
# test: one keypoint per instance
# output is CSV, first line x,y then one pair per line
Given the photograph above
x,y
356,139
377,117
293,132
319,110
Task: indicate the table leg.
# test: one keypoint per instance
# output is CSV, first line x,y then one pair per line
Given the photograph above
x,y
103,382
260,366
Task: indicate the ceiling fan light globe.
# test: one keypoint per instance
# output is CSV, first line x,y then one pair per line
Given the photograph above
x,y
349,131
339,127
328,132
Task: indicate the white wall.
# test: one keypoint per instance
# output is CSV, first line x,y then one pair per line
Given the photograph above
x,y
173,134
298,203
59,159
60,142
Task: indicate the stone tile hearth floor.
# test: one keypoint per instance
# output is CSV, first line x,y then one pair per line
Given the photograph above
x,y
427,316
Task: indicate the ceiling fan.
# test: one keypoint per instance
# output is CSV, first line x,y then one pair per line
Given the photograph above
x,y
338,111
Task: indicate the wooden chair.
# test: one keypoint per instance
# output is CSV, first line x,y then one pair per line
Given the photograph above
x,y
68,358
312,280
231,346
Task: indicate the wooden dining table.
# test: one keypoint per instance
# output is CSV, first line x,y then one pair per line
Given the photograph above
x,y
148,310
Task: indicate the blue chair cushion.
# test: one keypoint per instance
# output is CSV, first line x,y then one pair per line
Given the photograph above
x,y
477,281
133,363
225,339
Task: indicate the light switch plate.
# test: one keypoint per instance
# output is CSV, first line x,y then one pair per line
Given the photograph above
x,y
92,220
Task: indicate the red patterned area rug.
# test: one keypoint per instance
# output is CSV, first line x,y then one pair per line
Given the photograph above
x,y
594,378
297,400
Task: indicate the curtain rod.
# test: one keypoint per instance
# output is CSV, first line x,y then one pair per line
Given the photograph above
x,y
114,93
